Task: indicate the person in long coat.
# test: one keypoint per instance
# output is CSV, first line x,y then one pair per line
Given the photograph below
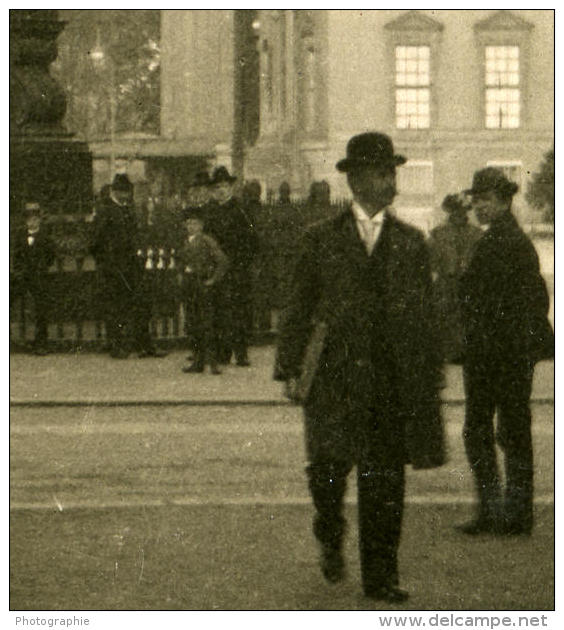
x,y
451,245
114,247
361,307
33,252
505,305
232,225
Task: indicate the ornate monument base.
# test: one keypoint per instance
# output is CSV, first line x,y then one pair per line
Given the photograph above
x,y
46,164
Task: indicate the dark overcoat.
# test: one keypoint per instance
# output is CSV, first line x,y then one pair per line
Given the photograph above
x,y
114,245
232,225
31,262
379,350
504,299
450,246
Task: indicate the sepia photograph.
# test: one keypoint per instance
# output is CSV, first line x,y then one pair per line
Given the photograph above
x,y
281,315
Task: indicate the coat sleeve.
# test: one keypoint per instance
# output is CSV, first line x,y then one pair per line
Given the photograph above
x,y
297,316
424,430
522,313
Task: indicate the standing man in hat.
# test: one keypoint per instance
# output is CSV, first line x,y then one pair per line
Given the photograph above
x,y
451,245
114,247
33,253
505,305
356,349
232,225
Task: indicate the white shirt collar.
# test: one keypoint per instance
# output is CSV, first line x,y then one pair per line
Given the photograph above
x,y
369,228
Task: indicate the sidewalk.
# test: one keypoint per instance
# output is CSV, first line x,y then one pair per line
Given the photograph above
x,y
74,378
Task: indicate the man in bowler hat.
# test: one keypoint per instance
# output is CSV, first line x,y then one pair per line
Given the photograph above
x,y
505,305
232,225
114,246
33,253
372,402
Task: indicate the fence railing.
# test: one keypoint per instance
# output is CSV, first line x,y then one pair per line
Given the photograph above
x,y
74,306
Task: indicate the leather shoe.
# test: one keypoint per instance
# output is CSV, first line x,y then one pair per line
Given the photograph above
x,y
332,565
192,369
243,362
387,593
479,526
215,370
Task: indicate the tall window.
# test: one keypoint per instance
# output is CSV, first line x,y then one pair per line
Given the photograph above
x,y
503,94
413,87
268,79
309,86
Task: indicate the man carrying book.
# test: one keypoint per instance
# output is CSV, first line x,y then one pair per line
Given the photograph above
x,y
356,349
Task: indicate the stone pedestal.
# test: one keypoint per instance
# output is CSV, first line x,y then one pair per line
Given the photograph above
x,y
47,164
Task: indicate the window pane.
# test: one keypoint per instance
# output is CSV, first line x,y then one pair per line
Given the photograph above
x,y
412,108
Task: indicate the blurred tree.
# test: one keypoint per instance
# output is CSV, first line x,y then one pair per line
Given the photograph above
x,y
128,70
540,192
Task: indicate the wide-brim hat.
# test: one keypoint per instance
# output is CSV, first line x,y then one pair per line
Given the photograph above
x,y
220,175
370,149
122,182
201,178
492,179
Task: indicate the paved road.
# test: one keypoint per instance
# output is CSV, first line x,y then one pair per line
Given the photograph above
x,y
223,454
175,507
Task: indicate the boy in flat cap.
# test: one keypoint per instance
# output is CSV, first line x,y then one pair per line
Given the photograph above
x,y
33,253
361,302
202,266
505,305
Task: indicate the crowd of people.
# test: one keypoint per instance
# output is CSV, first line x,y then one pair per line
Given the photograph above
x,y
374,312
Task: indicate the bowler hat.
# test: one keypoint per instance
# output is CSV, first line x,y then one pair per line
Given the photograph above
x,y
459,201
122,182
221,174
370,149
200,179
492,179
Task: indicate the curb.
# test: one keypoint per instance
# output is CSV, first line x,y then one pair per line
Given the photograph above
x,y
200,403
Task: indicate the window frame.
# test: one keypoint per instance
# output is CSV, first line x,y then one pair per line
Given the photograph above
x,y
503,28
418,88
413,28
507,86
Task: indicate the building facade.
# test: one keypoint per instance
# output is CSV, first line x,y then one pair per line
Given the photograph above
x,y
276,94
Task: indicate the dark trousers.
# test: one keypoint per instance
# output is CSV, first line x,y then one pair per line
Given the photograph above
x,y
236,307
505,387
119,308
380,481
202,315
40,299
